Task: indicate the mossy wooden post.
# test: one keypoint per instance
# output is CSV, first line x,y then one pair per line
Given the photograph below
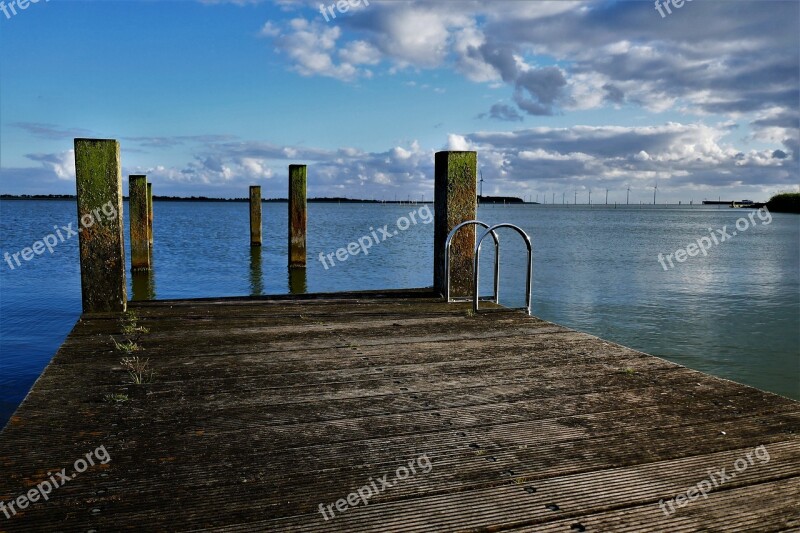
x,y
102,247
140,236
150,213
255,215
455,201
297,216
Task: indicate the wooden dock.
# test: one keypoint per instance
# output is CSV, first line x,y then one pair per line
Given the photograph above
x,y
260,410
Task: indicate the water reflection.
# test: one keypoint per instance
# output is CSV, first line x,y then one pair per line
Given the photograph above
x,y
143,284
298,281
256,273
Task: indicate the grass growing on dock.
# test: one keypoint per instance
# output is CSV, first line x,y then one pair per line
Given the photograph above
x,y
138,369
130,325
133,329
127,346
116,398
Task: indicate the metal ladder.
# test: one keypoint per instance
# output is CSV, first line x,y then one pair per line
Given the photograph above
x,y
489,231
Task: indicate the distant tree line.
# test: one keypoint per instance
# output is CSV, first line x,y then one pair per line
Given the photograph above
x,y
786,202
335,200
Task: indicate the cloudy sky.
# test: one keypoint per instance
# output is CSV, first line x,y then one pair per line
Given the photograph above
x,y
210,96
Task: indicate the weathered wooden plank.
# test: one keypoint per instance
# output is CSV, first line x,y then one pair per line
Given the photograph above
x,y
263,409
776,510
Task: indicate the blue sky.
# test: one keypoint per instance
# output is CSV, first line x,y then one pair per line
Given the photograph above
x,y
208,97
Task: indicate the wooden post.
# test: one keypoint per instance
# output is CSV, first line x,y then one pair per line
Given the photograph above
x,y
455,202
102,247
297,216
140,240
150,213
255,215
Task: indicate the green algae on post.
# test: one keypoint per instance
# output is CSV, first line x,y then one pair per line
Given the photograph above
x,y
102,247
455,201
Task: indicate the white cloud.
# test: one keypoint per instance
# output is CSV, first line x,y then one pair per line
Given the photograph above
x,y
360,53
62,164
715,62
458,143
312,45
687,157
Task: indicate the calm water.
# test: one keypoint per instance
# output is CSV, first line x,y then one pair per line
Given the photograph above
x,y
734,313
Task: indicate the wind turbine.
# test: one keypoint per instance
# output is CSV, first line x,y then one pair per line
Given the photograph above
x,y
576,196
481,183
655,190
606,196
590,196
628,199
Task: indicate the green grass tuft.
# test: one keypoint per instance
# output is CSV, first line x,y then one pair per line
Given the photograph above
x,y
138,370
116,398
127,346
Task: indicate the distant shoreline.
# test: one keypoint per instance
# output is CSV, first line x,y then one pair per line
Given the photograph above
x,y
204,199
482,200
335,200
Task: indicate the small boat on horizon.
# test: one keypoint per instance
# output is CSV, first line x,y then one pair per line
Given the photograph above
x,y
735,204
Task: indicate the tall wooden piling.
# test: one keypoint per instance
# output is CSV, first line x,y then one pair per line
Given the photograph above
x,y
455,201
102,247
150,214
140,236
255,215
297,216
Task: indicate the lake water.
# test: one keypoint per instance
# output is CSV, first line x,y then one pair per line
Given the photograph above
x,y
734,313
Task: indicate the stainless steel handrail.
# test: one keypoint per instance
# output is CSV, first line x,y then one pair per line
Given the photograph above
x,y
447,244
524,235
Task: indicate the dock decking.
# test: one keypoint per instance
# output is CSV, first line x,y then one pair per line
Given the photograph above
x,y
263,409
